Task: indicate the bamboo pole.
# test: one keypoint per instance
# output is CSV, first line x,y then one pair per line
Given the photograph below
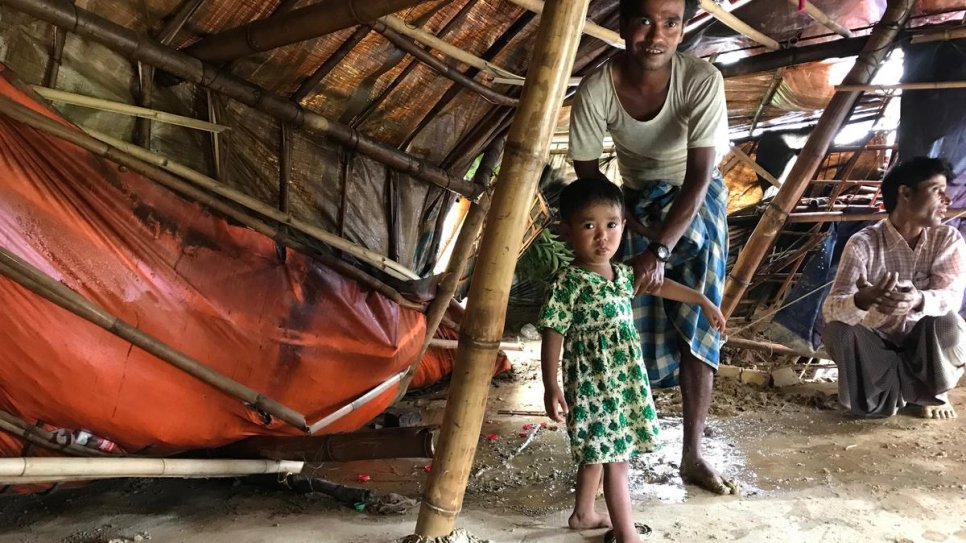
x,y
737,24
430,40
811,155
56,57
35,120
767,98
944,34
821,18
36,281
463,249
939,85
56,95
142,129
137,47
368,256
357,403
764,346
742,156
312,21
838,216
12,470
442,68
452,345
591,28
19,428
526,153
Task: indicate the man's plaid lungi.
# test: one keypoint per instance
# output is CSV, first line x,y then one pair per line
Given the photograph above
x,y
697,261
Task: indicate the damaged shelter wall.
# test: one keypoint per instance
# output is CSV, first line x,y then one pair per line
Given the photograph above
x,y
294,331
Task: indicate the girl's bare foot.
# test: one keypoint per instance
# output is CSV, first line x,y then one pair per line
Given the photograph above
x,y
588,522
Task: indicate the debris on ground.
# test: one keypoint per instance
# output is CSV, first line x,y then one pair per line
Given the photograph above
x,y
458,536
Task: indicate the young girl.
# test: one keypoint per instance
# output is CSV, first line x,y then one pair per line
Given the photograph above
x,y
606,397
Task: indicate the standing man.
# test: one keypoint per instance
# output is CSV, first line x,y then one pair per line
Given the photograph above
x,y
667,115
892,325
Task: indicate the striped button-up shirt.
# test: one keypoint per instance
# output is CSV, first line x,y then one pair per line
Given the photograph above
x,y
935,266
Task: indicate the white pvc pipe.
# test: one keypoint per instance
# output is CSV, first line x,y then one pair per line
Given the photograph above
x,y
38,468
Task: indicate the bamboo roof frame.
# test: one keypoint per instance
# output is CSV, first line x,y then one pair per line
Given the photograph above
x,y
293,26
822,19
606,35
129,43
57,95
430,40
737,24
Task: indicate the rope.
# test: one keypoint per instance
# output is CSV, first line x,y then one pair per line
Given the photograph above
x,y
818,289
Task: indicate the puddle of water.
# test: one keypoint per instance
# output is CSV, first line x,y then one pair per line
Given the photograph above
x,y
654,476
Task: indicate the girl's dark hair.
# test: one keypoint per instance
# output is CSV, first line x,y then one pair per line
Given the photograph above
x,y
629,9
584,192
910,173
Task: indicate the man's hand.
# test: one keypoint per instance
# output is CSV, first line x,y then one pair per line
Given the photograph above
x,y
553,401
904,299
648,273
870,295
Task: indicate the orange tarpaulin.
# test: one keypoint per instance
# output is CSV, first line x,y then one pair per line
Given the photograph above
x,y
296,332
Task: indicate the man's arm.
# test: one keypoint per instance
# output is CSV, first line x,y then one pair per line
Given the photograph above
x,y
852,298
947,282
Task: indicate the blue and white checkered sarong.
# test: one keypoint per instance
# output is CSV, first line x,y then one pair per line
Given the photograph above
x,y
697,261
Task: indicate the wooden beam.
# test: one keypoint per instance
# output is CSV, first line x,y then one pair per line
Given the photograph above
x,y
737,24
816,148
551,62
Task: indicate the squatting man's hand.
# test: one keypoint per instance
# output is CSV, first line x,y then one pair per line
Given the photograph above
x,y
888,295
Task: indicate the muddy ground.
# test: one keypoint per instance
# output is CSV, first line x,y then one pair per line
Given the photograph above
x,y
809,473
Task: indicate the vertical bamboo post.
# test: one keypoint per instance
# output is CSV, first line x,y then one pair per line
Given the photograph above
x,y
526,153
875,50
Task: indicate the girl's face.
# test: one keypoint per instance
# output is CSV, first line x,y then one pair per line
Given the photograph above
x,y
595,232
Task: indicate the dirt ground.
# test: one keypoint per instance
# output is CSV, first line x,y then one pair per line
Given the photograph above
x,y
808,473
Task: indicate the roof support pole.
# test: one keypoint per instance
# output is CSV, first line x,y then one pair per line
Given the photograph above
x,y
137,47
821,18
775,216
737,24
293,26
524,158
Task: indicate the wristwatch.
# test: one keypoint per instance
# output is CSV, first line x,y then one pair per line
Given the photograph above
x,y
660,250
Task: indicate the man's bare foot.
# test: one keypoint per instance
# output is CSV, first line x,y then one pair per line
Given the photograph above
x,y
695,470
944,411
588,522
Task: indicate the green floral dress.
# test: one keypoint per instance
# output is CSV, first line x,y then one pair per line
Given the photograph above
x,y
612,416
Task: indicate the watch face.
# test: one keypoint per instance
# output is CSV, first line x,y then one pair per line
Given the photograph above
x,y
663,252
